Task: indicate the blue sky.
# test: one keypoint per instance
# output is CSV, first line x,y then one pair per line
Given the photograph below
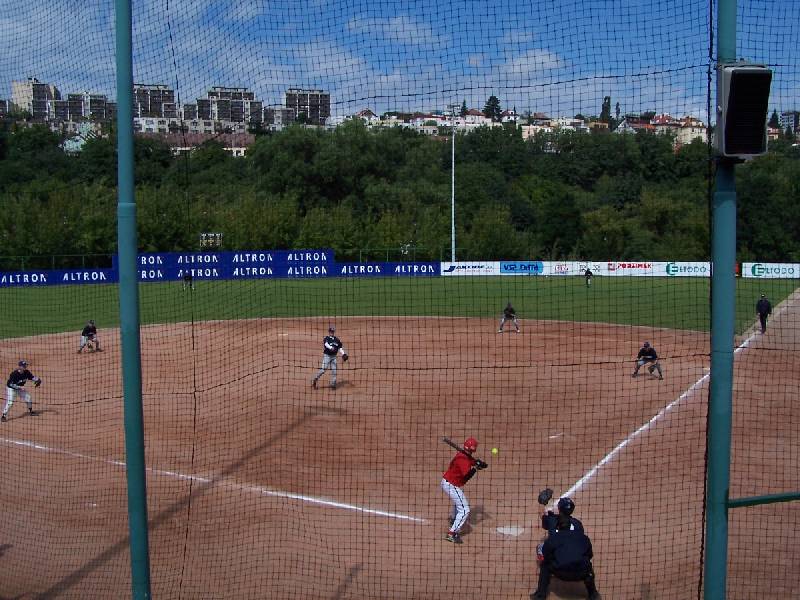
x,y
555,56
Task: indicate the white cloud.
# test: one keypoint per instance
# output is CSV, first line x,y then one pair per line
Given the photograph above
x,y
399,30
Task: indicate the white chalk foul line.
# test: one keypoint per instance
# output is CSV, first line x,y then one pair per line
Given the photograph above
x,y
256,489
610,456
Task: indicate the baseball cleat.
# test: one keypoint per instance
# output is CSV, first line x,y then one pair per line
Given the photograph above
x,y
454,538
314,384
3,419
499,331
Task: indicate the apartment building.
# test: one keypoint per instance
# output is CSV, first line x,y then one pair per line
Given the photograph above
x,y
34,97
227,105
314,104
84,107
154,100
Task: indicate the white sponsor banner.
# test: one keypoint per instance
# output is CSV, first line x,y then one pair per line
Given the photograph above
x,y
638,268
771,270
687,269
475,267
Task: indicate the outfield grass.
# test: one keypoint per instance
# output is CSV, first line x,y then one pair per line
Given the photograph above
x,y
675,303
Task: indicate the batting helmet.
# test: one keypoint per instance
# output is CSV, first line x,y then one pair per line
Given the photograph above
x,y
566,506
471,444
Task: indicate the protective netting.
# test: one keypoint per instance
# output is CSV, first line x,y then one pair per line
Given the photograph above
x,y
262,486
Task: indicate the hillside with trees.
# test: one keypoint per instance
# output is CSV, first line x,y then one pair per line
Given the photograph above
x,y
360,192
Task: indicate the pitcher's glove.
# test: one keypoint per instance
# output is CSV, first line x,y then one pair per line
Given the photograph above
x,y
480,465
545,496
345,357
37,383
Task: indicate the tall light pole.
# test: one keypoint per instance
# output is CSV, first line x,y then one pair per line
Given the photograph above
x,y
453,185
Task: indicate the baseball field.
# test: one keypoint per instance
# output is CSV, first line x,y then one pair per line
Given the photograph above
x,y
261,487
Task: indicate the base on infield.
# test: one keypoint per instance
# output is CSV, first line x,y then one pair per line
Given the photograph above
x,y
511,530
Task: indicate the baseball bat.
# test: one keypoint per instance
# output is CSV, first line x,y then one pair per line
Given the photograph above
x,y
451,443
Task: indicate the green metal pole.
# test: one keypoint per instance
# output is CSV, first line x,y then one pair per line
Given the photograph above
x,y
723,311
129,310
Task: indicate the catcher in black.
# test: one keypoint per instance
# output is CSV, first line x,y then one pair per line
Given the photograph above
x,y
647,354
764,310
331,348
89,338
509,314
14,387
565,554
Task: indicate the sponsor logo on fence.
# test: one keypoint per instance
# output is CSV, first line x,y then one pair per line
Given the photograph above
x,y
675,269
524,267
773,270
470,268
621,266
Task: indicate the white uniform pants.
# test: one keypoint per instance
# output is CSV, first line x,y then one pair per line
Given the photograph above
x,y
460,510
12,394
328,362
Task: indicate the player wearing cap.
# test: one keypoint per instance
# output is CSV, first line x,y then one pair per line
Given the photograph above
x,y
647,354
14,387
459,472
331,348
89,337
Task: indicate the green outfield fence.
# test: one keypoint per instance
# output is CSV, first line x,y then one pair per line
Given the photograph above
x,y
259,485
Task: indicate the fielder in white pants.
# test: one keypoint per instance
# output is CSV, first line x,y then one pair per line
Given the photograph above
x,y
15,389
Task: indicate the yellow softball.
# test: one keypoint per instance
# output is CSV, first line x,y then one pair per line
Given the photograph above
x,y
495,450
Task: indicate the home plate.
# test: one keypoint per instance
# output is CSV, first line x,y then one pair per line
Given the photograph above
x,y
510,530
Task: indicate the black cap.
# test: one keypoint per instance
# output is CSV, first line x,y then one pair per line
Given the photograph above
x,y
23,363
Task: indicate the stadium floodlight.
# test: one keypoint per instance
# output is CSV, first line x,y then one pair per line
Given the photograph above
x,y
742,105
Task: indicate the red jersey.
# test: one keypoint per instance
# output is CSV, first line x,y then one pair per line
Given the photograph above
x,y
459,467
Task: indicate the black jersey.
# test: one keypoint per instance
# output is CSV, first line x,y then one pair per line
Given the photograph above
x,y
763,307
587,273
331,345
17,379
648,352
89,331
509,312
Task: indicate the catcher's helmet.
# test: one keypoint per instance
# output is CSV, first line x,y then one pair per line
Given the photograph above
x,y
471,444
331,329
23,363
566,506
646,344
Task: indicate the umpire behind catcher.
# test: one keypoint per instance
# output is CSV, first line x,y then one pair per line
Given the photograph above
x,y
566,553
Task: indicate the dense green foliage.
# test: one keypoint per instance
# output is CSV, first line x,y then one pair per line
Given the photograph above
x,y
674,303
564,195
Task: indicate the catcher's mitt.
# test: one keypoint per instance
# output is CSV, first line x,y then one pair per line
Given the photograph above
x,y
545,496
345,357
480,465
37,383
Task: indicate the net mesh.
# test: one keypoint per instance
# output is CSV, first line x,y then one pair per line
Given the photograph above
x,y
260,485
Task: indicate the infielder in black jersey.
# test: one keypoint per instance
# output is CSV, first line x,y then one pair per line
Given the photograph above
x,y
89,338
14,387
509,314
647,354
331,348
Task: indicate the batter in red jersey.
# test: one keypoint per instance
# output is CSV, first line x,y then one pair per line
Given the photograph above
x,y
461,469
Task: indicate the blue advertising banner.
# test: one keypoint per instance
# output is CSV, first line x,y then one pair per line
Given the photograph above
x,y
205,266
250,264
521,267
387,269
58,277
